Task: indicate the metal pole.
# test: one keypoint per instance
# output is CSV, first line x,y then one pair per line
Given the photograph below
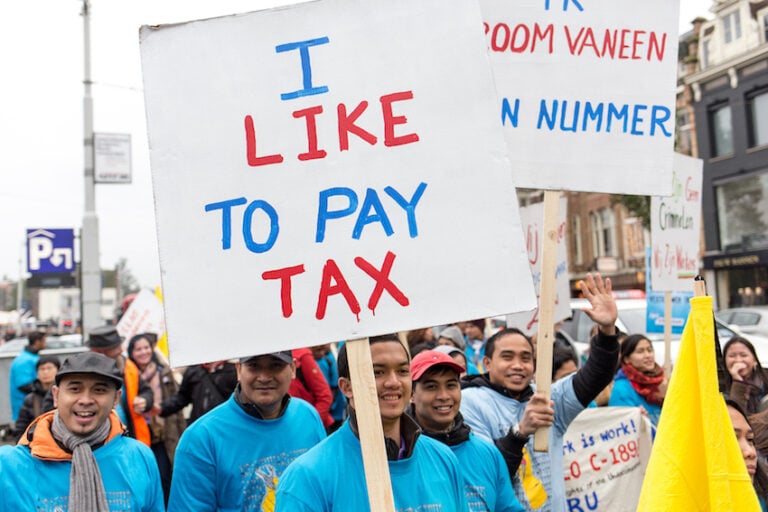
x,y
90,284
20,289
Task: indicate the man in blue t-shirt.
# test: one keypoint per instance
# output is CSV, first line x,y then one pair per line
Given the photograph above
x,y
232,457
77,456
435,407
424,473
24,370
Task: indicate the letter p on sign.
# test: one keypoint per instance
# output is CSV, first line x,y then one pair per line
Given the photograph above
x,y
50,250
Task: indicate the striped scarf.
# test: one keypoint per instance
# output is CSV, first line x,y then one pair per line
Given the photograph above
x,y
86,489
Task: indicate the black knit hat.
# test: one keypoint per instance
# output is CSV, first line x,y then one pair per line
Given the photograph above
x,y
91,363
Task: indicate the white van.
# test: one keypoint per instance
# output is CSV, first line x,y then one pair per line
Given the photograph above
x,y
632,321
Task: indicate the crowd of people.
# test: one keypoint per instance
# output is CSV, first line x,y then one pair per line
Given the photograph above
x,y
116,428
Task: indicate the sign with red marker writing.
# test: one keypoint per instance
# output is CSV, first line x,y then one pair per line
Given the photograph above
x,y
586,91
145,314
605,452
532,219
326,171
676,228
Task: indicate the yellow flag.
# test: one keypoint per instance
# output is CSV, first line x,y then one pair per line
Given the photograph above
x,y
162,343
696,463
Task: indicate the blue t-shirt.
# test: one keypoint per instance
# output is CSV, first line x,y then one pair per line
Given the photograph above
x,y
230,460
128,470
486,478
330,478
625,395
475,357
491,414
23,372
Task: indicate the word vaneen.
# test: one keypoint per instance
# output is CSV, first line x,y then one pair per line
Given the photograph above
x,y
619,44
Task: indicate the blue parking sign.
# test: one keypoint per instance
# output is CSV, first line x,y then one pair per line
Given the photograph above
x,y
50,250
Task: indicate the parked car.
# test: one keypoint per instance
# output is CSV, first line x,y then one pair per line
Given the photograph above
x,y
65,341
13,346
749,319
632,321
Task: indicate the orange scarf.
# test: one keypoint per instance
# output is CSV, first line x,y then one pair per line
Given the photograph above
x,y
43,445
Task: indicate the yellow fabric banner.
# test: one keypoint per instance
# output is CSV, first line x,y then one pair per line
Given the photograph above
x,y
162,343
696,463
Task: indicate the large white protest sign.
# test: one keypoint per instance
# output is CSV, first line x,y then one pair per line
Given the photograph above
x,y
606,450
531,218
145,314
586,91
676,228
311,166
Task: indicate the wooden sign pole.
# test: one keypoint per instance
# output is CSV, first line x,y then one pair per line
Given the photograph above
x,y
371,432
545,337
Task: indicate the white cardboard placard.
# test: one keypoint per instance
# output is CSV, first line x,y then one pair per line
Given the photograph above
x,y
676,228
276,228
145,314
586,91
605,453
532,218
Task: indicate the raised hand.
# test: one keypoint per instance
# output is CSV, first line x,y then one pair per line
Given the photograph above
x,y
600,295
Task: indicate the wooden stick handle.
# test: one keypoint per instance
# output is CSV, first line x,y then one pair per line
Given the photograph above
x,y
545,338
369,426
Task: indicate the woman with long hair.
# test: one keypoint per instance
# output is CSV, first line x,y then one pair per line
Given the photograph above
x,y
640,380
165,431
749,382
745,436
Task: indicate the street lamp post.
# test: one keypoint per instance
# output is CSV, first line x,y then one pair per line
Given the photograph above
x,y
90,269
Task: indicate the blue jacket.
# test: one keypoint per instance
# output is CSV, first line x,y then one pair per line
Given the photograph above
x,y
23,372
330,477
624,394
475,364
491,414
128,470
230,460
486,478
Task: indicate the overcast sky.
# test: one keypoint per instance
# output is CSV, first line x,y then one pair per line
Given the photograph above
x,y
41,130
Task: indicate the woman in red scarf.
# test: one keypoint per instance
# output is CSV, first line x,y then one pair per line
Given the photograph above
x,y
640,381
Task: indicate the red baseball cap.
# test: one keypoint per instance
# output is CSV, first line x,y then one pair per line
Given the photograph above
x,y
429,358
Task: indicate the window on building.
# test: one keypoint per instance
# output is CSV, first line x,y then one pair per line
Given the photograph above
x,y
757,114
603,232
742,212
732,26
609,231
575,235
704,54
683,132
721,131
765,27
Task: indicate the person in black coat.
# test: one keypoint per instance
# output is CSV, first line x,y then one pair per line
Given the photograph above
x,y
204,386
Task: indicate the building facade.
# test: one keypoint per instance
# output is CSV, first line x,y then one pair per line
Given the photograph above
x,y
730,101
